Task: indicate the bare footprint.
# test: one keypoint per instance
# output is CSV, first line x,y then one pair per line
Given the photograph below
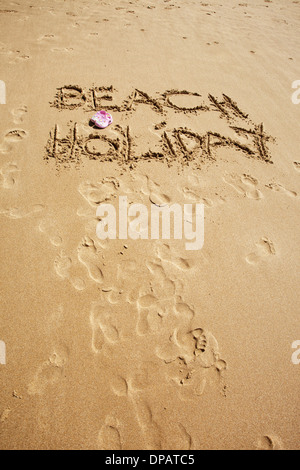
x,y
62,265
192,195
186,436
7,175
103,327
12,137
119,386
279,188
78,283
269,443
157,196
184,311
147,423
297,166
19,114
15,135
97,193
109,437
88,255
164,253
63,49
5,415
46,37
264,249
48,227
20,213
50,372
245,185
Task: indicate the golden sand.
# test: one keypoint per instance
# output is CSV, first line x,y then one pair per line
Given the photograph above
x,y
142,344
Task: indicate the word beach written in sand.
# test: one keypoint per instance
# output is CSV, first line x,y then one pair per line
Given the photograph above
x,y
181,144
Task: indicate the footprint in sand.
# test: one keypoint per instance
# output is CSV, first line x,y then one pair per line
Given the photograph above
x,y
149,315
156,195
245,185
88,255
109,437
297,166
184,311
62,266
5,415
98,193
153,191
164,253
189,355
143,326
269,443
12,137
46,37
67,50
264,249
103,327
192,195
119,386
187,438
281,189
50,372
18,56
15,135
20,213
48,227
19,114
78,283
8,175
147,423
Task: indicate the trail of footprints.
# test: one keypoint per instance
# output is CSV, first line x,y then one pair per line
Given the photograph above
x,y
187,356
247,186
10,171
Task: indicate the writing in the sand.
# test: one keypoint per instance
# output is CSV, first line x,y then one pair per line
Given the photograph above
x,y
126,144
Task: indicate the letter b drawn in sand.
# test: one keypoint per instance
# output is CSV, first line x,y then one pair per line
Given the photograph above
x,y
2,92
2,353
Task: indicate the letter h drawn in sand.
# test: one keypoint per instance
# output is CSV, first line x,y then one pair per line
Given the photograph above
x,y
2,353
2,92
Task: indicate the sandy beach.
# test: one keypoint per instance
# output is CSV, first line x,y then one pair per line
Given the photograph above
x,y
125,344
